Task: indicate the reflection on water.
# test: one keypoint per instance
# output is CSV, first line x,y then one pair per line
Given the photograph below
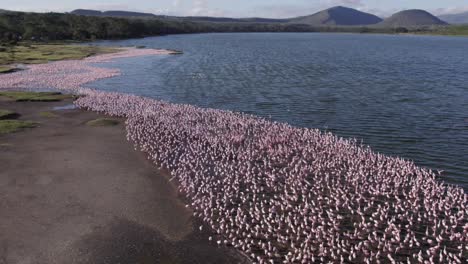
x,y
64,107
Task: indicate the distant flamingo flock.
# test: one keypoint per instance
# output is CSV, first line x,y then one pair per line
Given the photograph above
x,y
279,194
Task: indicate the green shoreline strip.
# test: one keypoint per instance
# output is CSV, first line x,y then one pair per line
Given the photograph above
x,y
35,96
24,53
11,126
7,114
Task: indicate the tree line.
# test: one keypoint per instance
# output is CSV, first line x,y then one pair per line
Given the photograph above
x,y
59,26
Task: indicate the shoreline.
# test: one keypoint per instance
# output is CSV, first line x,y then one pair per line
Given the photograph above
x,y
70,76
270,170
75,193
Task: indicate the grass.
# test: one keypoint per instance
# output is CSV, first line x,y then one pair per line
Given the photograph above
x,y
5,69
455,30
103,122
7,114
48,115
31,54
451,30
35,96
11,126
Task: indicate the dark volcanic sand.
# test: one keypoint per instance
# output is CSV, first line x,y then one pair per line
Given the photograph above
x,y
70,193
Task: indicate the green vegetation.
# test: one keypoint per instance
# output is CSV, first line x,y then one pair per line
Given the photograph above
x,y
29,54
10,126
46,27
5,69
103,122
48,115
56,26
7,114
455,30
35,96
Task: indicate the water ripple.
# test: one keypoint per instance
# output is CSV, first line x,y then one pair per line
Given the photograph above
x,y
405,96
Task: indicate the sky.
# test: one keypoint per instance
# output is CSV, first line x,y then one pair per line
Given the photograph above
x,y
237,8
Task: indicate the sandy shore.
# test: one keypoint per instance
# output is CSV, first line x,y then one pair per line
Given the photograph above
x,y
71,193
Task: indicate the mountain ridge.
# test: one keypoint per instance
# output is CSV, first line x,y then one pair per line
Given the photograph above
x,y
338,16
412,18
111,13
334,16
457,18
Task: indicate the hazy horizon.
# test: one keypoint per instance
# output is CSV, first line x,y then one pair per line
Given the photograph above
x,y
241,8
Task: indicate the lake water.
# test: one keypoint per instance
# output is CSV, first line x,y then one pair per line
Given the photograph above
x,y
402,95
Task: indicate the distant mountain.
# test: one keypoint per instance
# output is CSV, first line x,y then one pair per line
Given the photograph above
x,y
461,18
412,18
235,20
338,16
127,14
87,12
335,16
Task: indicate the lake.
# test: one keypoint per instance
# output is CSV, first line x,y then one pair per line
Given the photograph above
x,y
401,95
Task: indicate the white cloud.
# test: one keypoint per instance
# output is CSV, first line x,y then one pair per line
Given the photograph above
x,y
107,7
451,10
176,3
201,8
207,8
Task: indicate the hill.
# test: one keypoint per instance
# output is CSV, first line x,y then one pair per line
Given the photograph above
x,y
412,18
231,20
461,18
87,12
92,25
338,16
335,16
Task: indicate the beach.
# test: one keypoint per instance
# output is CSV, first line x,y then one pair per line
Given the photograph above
x,y
275,192
74,193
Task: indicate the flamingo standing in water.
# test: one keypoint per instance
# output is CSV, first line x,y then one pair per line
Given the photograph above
x,y
279,193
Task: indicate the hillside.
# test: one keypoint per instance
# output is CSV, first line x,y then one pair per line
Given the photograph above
x,y
231,20
87,12
338,16
461,18
335,16
92,25
412,18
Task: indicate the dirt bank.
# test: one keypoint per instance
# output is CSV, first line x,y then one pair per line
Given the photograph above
x,y
73,193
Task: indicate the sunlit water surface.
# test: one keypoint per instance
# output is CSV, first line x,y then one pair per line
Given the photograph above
x,y
402,95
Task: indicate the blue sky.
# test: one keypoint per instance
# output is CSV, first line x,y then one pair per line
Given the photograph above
x,y
237,8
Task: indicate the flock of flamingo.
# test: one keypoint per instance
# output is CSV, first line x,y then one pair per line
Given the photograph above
x,y
278,193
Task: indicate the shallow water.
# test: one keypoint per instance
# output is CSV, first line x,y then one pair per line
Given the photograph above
x,y
402,95
64,107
